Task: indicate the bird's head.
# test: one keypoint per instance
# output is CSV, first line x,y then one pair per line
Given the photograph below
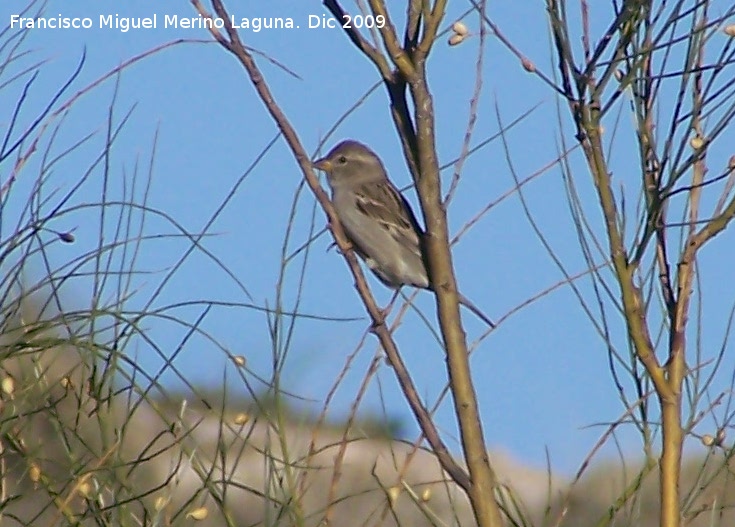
x,y
351,162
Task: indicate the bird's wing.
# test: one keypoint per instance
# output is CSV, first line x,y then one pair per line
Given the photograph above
x,y
382,203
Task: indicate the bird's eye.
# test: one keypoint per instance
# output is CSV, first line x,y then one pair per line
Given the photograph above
x,y
342,160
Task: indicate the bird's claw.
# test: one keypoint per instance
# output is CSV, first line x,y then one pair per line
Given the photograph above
x,y
382,317
334,245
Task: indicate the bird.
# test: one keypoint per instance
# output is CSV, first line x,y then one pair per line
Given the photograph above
x,y
378,220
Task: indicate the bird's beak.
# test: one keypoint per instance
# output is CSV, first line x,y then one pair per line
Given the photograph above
x,y
323,164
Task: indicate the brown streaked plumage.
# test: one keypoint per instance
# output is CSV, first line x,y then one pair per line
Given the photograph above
x,y
377,218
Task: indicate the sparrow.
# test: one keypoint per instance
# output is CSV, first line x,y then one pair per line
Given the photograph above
x,y
378,219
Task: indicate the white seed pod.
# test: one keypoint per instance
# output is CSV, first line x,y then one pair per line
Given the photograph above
x,y
200,513
34,473
708,440
239,360
426,494
459,28
393,494
85,489
8,385
696,142
456,39
241,418
721,435
730,30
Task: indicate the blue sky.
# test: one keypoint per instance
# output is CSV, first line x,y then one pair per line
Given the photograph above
x,y
542,377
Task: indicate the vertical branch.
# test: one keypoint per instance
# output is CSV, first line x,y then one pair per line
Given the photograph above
x,y
441,274
672,433
419,147
633,305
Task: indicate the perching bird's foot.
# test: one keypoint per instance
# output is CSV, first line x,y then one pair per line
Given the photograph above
x,y
334,245
384,312
382,317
